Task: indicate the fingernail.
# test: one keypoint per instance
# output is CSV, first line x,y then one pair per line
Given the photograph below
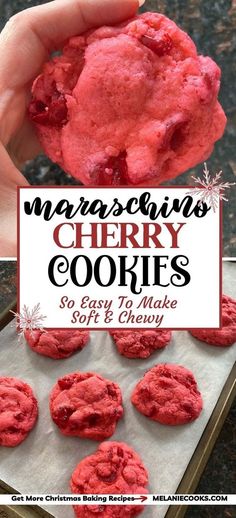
x,y
141,2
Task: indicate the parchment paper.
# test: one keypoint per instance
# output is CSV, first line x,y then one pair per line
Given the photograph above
x,y
43,463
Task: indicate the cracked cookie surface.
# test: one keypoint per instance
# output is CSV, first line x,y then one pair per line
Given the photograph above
x,y
114,468
140,344
225,336
56,343
18,411
129,104
87,405
168,394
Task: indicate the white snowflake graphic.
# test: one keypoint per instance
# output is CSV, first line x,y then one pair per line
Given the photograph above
x,y
29,319
212,188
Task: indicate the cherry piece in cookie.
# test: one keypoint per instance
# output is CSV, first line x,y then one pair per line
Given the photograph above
x,y
18,411
140,344
132,104
225,336
168,394
113,172
114,468
87,405
56,343
55,115
160,45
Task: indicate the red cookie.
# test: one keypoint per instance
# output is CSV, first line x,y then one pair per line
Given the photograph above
x,y
168,393
128,104
86,405
114,468
225,336
18,411
140,344
57,343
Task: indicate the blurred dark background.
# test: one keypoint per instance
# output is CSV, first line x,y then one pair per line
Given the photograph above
x,y
212,26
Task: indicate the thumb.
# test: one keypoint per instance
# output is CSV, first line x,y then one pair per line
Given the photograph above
x,y
29,35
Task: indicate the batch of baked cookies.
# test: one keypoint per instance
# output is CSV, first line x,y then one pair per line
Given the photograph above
x,y
87,405
128,139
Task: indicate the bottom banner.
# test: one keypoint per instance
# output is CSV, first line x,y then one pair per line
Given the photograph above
x,y
149,499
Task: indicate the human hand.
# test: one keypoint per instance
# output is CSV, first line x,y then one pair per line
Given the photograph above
x,y
25,43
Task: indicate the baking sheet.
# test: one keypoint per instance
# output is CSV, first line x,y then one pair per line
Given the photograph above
x,y
43,463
